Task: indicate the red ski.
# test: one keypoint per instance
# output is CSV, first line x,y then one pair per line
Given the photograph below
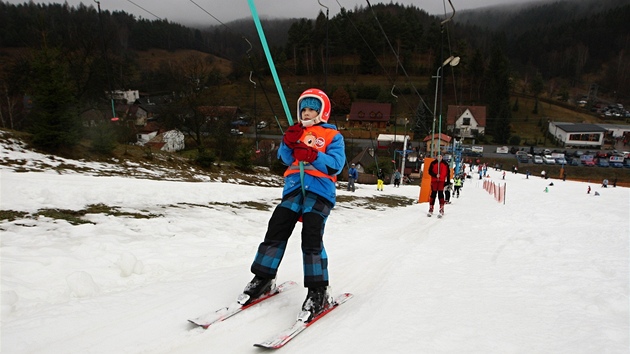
x,y
283,337
224,313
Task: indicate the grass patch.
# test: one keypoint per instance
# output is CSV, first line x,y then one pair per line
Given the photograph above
x,y
71,216
256,205
74,217
11,215
377,202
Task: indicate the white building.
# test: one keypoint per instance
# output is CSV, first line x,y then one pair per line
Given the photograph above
x,y
466,121
616,130
578,134
129,96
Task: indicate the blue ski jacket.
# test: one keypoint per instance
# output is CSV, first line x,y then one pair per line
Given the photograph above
x,y
319,177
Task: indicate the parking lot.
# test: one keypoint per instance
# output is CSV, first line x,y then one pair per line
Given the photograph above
x,y
586,158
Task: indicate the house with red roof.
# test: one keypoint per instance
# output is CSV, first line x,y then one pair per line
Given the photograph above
x,y
369,115
438,140
466,121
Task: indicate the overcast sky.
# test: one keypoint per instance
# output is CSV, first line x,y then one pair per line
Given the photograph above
x,y
186,12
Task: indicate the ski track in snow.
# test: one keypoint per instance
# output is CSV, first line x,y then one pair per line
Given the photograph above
x,y
544,273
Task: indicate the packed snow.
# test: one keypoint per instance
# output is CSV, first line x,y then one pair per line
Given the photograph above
x,y
544,272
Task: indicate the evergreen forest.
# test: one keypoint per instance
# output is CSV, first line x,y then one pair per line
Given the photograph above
x,y
58,62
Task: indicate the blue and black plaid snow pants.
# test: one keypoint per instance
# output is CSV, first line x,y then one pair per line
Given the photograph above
x,y
314,210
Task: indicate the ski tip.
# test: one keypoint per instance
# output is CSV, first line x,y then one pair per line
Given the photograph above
x,y
197,324
258,345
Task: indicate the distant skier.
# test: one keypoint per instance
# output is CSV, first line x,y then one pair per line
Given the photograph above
x,y
397,179
353,175
447,192
457,182
380,179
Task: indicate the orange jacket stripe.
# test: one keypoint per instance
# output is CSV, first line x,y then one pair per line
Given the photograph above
x,y
318,138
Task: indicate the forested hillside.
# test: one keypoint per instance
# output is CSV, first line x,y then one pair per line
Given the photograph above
x,y
385,53
567,39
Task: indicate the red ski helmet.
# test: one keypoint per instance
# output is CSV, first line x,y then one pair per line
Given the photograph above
x,y
324,112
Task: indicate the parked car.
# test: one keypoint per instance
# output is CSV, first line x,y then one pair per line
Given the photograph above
x,y
236,132
523,153
470,153
547,159
238,123
262,124
538,159
626,163
602,162
522,158
587,160
602,153
616,164
502,150
575,162
561,161
578,153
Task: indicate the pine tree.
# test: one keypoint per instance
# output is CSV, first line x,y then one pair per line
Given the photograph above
x,y
537,87
498,96
55,122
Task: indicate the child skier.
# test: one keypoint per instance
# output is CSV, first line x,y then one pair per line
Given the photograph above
x,y
317,149
447,192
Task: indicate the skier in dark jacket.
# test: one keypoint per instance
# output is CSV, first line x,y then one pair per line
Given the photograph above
x,y
440,175
380,179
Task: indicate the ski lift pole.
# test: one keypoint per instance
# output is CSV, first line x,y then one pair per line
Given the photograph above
x,y
276,79
272,67
255,115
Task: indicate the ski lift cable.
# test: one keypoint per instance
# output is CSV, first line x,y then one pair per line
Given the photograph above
x,y
395,53
249,58
272,67
450,48
419,123
230,30
326,64
260,81
211,15
145,10
327,49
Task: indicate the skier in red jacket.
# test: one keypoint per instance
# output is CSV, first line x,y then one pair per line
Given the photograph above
x,y
440,176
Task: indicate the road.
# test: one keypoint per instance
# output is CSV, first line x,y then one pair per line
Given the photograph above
x,y
489,151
